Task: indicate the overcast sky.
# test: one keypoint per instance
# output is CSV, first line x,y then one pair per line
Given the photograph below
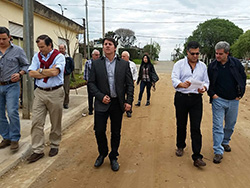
x,y
163,21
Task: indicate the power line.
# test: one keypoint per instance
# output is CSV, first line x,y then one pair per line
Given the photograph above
x,y
158,11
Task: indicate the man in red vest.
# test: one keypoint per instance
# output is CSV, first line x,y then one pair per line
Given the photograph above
x,y
47,68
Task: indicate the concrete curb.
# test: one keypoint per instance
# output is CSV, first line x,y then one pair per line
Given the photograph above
x,y
10,160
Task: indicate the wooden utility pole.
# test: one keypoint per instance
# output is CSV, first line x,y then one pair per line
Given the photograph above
x,y
28,45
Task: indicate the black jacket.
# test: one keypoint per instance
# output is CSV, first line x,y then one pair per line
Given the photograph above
x,y
69,66
152,74
99,85
237,71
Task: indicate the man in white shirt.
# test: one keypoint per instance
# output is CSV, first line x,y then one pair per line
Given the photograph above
x,y
133,68
189,100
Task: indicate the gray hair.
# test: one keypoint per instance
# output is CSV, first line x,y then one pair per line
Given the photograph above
x,y
126,52
223,45
95,50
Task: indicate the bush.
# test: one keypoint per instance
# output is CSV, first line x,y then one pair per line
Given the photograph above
x,y
78,82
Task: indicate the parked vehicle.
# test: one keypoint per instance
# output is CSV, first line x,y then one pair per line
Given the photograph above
x,y
246,63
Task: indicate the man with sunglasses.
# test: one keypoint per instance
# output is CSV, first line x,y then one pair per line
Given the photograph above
x,y
189,100
227,86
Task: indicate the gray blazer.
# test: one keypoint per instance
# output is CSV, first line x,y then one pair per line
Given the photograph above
x,y
99,85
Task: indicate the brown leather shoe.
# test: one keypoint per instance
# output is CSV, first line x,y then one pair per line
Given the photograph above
x,y
35,157
179,152
217,158
4,143
199,162
53,152
14,146
227,148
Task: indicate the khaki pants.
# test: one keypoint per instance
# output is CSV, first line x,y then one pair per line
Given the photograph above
x,y
51,101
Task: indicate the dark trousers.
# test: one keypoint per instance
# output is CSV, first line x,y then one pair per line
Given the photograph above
x,y
66,87
100,124
90,100
142,87
192,105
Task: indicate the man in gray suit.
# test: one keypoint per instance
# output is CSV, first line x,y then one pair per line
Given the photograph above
x,y
110,79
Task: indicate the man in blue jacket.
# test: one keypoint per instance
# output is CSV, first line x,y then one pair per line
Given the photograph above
x,y
227,87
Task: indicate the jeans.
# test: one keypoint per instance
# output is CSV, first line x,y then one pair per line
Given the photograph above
x,y
142,87
9,98
223,110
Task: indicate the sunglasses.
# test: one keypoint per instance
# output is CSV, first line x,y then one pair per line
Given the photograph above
x,y
198,53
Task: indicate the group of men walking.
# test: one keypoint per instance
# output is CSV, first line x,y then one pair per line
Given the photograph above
x,y
225,82
110,79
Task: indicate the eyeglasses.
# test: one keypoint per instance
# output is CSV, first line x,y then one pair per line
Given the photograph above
x,y
198,53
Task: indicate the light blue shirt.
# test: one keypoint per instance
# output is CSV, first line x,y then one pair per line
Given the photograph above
x,y
182,72
110,67
12,61
59,61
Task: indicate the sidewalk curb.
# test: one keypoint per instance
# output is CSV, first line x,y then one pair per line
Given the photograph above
x,y
25,149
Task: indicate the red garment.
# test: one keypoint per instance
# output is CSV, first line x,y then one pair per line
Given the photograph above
x,y
46,64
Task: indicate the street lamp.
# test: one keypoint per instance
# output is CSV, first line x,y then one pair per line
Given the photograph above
x,y
62,8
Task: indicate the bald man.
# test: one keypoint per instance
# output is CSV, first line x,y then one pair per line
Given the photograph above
x,y
133,68
95,55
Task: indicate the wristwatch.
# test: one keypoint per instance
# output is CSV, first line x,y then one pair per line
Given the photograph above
x,y
20,75
40,70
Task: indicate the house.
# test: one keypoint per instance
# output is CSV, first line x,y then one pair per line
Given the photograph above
x,y
46,21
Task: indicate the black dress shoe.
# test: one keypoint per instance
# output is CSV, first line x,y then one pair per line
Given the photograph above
x,y
65,106
99,161
53,152
129,114
114,165
35,157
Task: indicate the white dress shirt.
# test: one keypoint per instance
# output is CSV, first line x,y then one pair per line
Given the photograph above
x,y
182,72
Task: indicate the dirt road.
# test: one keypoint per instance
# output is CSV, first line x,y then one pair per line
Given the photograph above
x,y
147,152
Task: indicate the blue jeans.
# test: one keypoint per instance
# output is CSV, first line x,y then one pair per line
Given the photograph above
x,y
142,87
9,98
223,110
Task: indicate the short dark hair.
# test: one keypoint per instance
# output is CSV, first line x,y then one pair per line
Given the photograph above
x,y
46,39
111,40
193,45
4,30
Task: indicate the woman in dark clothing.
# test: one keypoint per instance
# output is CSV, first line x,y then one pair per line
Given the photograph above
x,y
148,78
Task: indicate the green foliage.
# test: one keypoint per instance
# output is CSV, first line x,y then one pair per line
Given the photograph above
x,y
241,48
152,50
137,61
177,54
133,52
110,34
78,82
212,31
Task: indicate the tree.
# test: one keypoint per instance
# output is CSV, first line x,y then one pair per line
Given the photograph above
x,y
212,31
177,54
126,37
110,34
241,48
152,50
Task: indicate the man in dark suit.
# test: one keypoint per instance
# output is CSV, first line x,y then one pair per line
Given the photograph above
x,y
110,79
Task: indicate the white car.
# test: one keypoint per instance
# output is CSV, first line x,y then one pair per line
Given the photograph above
x,y
244,62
